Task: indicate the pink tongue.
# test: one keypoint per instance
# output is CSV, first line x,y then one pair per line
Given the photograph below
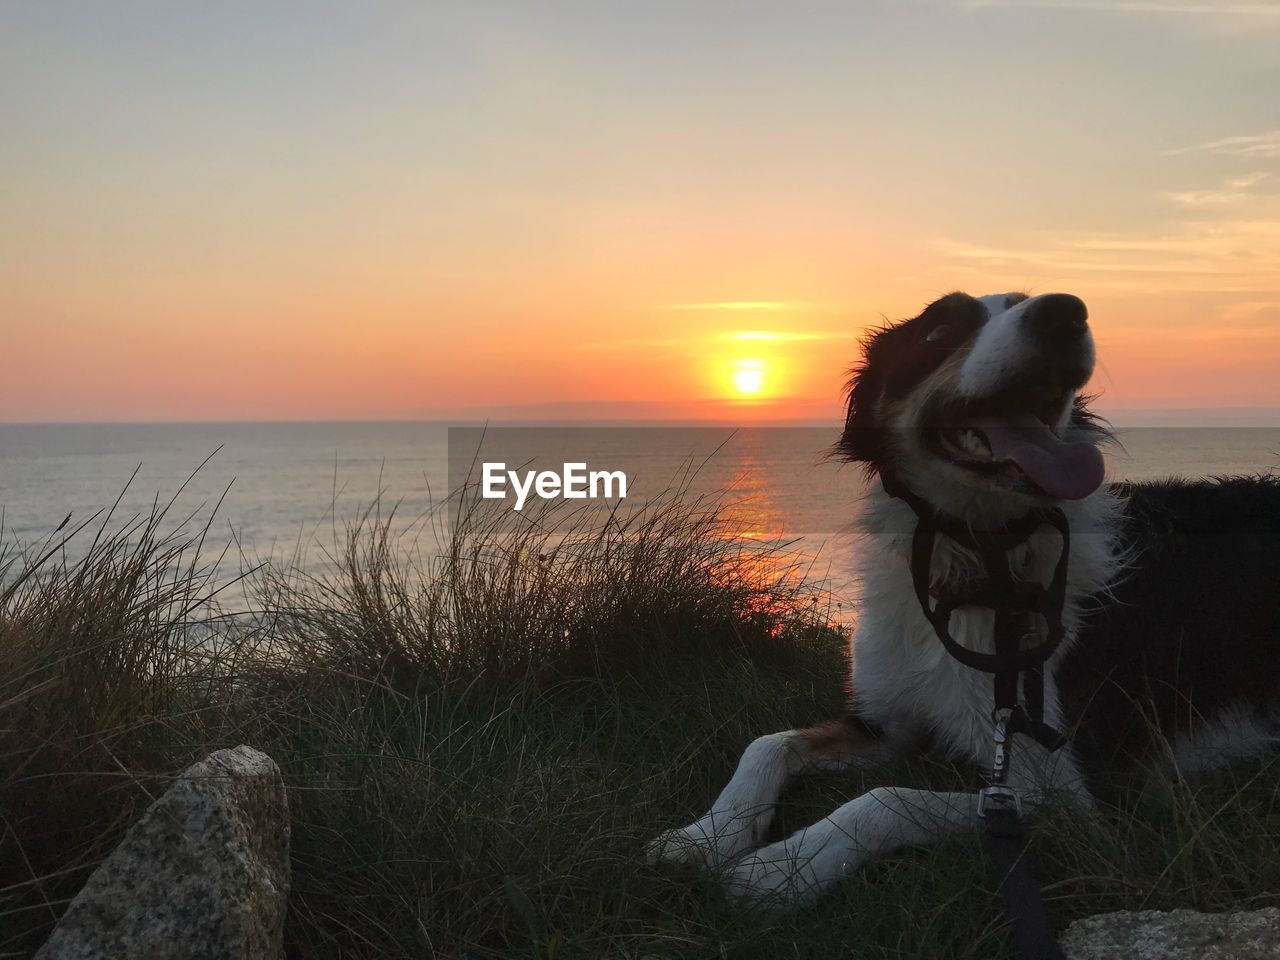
x,y
1069,471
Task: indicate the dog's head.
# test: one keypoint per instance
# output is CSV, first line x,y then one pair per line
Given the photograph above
x,y
979,397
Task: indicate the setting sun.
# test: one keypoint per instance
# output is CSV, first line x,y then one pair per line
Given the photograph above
x,y
748,377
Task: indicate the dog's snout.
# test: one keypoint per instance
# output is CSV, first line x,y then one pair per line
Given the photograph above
x,y
1058,315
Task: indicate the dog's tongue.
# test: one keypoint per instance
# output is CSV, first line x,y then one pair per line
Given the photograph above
x,y
1069,471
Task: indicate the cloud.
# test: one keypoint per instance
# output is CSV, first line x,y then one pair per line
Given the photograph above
x,y
1262,314
1257,145
744,305
1177,7
735,336
665,343
1232,190
1226,240
1233,255
788,336
1064,256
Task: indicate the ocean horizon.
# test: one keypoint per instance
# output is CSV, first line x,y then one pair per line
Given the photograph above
x,y
285,491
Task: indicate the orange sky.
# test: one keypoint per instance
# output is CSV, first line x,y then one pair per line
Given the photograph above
x,y
602,210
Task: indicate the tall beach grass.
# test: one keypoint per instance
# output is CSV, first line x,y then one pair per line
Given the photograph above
x,y
479,737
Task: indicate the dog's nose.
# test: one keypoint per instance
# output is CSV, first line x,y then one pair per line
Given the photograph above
x,y
1058,314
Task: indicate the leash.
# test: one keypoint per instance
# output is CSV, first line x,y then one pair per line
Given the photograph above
x,y
1015,605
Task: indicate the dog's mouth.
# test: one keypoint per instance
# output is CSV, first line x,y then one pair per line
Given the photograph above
x,y
1015,437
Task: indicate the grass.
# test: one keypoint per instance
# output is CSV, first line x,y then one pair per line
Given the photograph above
x,y
477,742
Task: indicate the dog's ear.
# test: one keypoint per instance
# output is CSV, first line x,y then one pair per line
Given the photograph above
x,y
862,438
897,356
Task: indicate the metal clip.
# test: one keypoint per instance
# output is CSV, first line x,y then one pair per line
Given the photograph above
x,y
1000,760
999,798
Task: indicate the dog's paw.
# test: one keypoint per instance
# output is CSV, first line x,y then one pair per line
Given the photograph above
x,y
772,876
710,842
790,873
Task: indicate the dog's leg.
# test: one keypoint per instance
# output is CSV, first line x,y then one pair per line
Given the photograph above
x,y
885,819
741,814
796,870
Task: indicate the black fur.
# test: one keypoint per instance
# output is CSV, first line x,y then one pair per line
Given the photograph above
x,y
1190,629
895,359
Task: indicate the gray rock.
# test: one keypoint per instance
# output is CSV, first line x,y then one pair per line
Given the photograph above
x,y
1175,935
203,874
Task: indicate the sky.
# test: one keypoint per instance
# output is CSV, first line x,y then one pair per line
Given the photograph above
x,y
247,211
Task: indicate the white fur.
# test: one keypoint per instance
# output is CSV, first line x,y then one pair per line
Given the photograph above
x,y
879,822
743,811
1000,349
997,303
1235,735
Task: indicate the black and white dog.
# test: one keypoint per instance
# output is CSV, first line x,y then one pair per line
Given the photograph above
x,y
1170,662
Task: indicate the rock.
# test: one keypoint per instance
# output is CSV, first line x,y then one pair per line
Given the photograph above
x,y
203,874
1175,935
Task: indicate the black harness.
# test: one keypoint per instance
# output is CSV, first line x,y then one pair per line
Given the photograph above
x,y
1016,605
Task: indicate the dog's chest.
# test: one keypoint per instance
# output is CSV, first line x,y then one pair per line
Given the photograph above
x,y
902,673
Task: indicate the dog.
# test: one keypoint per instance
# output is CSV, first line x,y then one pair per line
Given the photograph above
x,y
1169,662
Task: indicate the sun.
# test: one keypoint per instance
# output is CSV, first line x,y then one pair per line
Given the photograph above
x,y
749,377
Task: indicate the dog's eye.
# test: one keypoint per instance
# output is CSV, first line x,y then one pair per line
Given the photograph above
x,y
938,333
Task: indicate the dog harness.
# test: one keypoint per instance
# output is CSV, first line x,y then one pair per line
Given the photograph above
x,y
1016,605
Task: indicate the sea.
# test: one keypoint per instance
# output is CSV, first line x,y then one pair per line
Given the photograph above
x,y
288,491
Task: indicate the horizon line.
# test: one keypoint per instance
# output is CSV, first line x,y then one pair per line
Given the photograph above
x,y
528,419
